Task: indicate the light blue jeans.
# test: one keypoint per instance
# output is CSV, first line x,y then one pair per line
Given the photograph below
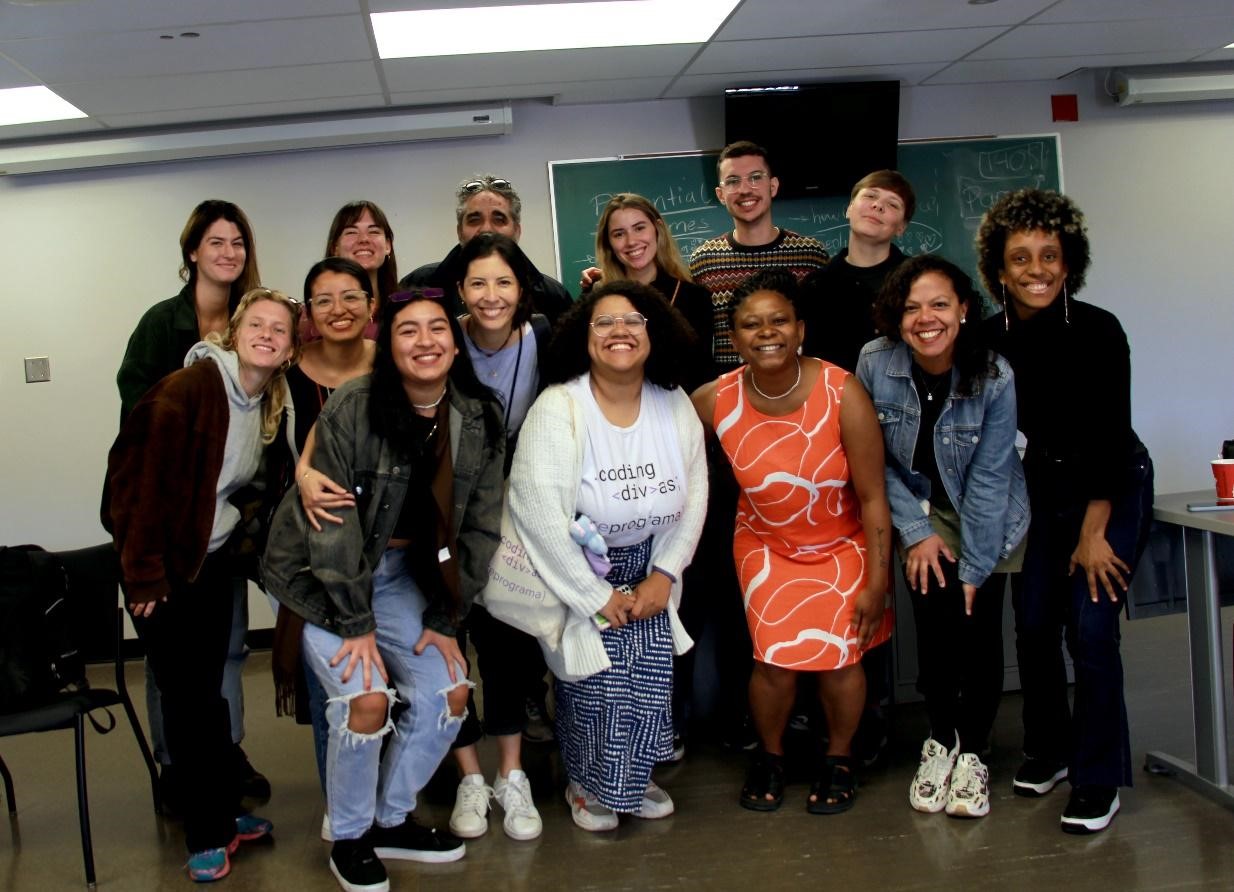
x,y
362,785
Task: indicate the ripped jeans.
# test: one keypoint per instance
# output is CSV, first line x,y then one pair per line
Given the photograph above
x,y
361,784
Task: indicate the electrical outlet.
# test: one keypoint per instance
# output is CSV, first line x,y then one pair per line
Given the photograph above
x,y
38,369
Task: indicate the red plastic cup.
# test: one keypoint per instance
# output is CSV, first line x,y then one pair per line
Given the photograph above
x,y
1223,473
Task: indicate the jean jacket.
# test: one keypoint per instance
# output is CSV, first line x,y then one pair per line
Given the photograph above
x,y
974,444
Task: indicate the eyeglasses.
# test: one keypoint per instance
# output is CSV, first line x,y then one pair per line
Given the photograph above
x,y
486,183
401,297
733,183
349,299
605,325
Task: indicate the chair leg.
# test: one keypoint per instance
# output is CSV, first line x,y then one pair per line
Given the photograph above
x,y
123,689
8,788
83,805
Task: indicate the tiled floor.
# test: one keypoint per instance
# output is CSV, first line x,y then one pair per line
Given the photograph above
x,y
1165,838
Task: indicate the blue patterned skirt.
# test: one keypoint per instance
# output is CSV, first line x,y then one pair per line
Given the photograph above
x,y
614,726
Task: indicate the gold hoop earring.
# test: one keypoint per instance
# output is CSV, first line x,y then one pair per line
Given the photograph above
x,y
285,366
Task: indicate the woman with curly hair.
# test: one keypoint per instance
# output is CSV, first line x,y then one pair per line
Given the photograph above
x,y
614,437
959,505
1090,485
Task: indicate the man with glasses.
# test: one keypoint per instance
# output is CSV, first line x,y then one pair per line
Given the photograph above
x,y
721,264
486,203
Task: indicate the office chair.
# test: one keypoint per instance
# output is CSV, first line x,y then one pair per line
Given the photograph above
x,y
93,580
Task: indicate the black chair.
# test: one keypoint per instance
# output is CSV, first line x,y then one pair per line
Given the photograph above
x,y
93,575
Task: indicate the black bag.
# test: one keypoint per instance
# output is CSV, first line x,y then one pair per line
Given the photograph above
x,y
39,658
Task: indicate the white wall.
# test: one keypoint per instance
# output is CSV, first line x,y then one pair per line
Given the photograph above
x,y
85,254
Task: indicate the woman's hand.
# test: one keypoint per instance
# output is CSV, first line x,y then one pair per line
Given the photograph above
x,y
1094,554
617,610
867,613
970,595
590,276
447,646
651,596
144,608
319,493
361,651
922,557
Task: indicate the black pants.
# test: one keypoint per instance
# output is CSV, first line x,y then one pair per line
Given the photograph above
x,y
186,641
511,667
1093,739
960,657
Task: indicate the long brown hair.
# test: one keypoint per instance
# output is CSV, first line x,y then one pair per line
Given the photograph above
x,y
348,214
201,219
668,258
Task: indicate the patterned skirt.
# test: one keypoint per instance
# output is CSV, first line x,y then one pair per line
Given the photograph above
x,y
614,726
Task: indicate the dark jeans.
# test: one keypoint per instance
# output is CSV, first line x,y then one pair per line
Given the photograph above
x,y
511,669
186,641
960,657
1093,739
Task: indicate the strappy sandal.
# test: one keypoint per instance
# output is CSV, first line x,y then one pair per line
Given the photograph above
x,y
835,789
764,777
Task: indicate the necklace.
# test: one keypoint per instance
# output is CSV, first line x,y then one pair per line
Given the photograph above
x,y
489,353
435,403
758,390
931,384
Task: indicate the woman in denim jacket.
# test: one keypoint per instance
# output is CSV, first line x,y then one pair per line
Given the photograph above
x,y
960,507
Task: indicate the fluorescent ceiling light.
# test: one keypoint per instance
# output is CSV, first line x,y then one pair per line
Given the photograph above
x,y
548,26
28,105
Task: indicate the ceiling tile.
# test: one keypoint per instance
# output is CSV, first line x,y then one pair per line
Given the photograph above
x,y
219,48
12,76
1105,38
1002,70
215,91
626,89
1127,10
799,18
715,84
1216,55
851,50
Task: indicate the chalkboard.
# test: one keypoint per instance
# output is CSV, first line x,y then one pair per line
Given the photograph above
x,y
955,180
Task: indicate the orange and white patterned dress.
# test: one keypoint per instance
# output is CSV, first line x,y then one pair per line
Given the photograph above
x,y
799,544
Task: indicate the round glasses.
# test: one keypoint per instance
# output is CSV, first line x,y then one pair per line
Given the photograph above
x,y
605,325
349,299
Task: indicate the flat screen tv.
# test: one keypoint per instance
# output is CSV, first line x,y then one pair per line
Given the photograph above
x,y
821,138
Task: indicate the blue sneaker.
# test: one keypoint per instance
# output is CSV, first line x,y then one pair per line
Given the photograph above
x,y
208,866
251,827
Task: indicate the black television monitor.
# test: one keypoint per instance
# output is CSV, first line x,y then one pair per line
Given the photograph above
x,y
821,138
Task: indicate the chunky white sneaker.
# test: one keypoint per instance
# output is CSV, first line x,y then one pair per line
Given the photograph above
x,y
656,803
970,788
513,794
470,816
933,778
587,811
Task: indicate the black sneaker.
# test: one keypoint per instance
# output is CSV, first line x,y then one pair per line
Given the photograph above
x,y
1090,809
538,728
357,868
253,784
1037,777
411,842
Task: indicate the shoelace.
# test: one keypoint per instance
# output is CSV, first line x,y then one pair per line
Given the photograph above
x,y
517,800
475,797
939,766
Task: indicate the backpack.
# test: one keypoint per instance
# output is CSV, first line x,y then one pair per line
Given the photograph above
x,y
39,658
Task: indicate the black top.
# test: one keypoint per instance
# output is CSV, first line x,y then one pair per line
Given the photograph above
x,y
694,303
1073,391
548,296
932,394
308,397
419,520
838,307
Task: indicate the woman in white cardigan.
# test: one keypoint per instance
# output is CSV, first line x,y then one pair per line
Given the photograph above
x,y
614,438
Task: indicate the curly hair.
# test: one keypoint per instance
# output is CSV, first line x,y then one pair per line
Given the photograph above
x,y
272,397
778,279
669,336
971,358
668,257
1026,210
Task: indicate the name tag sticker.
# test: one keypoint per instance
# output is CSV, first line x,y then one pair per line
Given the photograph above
x,y
443,554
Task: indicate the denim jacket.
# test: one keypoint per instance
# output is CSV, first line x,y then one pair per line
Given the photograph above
x,y
326,576
974,444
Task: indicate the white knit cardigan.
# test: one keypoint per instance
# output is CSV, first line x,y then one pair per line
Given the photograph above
x,y
544,484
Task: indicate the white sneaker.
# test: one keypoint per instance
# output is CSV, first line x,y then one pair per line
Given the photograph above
x,y
970,788
656,803
587,811
470,816
928,792
513,794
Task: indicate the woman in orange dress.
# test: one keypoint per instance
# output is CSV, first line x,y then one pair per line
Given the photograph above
x,y
813,536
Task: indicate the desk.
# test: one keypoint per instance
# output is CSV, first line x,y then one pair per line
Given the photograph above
x,y
1210,775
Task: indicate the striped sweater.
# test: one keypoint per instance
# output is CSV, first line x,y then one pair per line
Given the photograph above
x,y
720,265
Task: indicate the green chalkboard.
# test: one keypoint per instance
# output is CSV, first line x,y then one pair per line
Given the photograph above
x,y
955,180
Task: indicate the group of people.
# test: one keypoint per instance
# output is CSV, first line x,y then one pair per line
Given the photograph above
x,y
360,451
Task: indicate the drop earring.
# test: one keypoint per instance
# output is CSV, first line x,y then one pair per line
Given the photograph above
x,y
1066,305
1006,317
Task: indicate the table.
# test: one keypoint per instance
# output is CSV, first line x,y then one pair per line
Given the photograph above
x,y
1210,775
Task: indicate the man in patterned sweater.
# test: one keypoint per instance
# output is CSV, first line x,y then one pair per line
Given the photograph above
x,y
721,264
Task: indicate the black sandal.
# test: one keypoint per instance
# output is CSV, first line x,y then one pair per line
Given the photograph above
x,y
835,789
764,777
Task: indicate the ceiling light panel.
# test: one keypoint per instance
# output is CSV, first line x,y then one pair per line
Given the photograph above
x,y
28,105
550,26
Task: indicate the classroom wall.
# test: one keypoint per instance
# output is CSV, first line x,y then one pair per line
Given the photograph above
x,y
86,253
